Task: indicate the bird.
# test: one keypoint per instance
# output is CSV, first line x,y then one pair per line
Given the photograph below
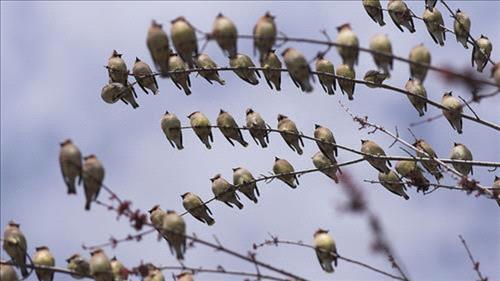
x,y
371,148
100,266
70,160
326,142
380,43
325,165
392,182
194,205
461,152
273,77
92,176
175,233
241,63
435,25
282,166
257,127
181,80
185,276
129,96
184,40
158,45
209,71
298,68
171,127
461,26
154,274
431,166
244,180
430,3
7,273
452,111
481,52
496,191
327,81
43,257
156,215
15,245
229,128
346,86
225,34
349,44
401,15
375,78
79,265
202,127
225,192
410,170
119,271
415,87
495,73
419,54
290,133
113,92
264,34
117,69
374,10
144,76
325,249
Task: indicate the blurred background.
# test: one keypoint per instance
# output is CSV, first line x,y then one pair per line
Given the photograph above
x,y
53,55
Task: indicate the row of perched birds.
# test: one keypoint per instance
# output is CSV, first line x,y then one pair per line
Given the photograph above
x,y
100,267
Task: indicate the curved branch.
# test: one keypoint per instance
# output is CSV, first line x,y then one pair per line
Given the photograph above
x,y
49,268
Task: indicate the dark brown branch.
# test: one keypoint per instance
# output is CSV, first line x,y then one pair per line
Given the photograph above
x,y
475,263
49,268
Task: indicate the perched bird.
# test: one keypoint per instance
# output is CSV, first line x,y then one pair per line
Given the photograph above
x,y
264,34
288,130
209,71
271,60
202,127
401,15
7,273
453,111
392,182
156,215
93,176
349,50
326,81
282,166
113,92
129,96
15,245
431,166
375,77
374,10
325,250
100,266
257,127
228,127
117,69
184,40
70,160
435,25
154,274
415,87
171,127
298,68
346,86
461,26
185,276
326,165
225,34
326,142
175,229
244,180
181,80
157,42
43,257
370,147
481,52
225,192
421,55
119,271
495,73
381,43
144,76
194,205
430,3
496,192
242,63
461,152
79,265
409,169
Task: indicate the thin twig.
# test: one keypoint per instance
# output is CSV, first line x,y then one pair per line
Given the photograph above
x,y
475,263
48,268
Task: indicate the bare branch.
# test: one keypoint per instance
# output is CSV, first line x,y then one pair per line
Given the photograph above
x,y
475,263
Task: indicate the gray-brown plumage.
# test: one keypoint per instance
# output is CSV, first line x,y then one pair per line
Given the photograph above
x,y
43,257
282,166
144,76
225,34
242,63
392,182
370,147
244,180
273,77
327,82
7,273
129,96
298,68
349,50
290,133
461,26
381,43
401,15
15,245
374,10
202,127
209,71
453,111
100,266
435,25
431,166
481,52
79,265
416,87
117,69
326,165
112,92
410,170
375,77
175,229
157,42
346,86
93,176
171,127
225,192
181,80
419,54
257,127
184,40
229,128
70,160
461,152
430,3
194,205
156,215
326,142
495,73
185,276
264,33
119,271
326,250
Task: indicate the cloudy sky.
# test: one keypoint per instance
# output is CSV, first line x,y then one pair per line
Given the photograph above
x,y
52,58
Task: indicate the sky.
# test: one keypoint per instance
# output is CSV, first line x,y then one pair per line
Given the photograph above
x,y
52,58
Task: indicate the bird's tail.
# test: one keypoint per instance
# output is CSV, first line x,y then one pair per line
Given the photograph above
x,y
306,86
299,150
71,187
381,22
327,267
263,142
134,104
24,270
210,221
330,90
238,204
87,205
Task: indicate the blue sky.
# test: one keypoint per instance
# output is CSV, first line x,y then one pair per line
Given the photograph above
x,y
52,58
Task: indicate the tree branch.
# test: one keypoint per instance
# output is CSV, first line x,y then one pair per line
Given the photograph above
x,y
475,264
